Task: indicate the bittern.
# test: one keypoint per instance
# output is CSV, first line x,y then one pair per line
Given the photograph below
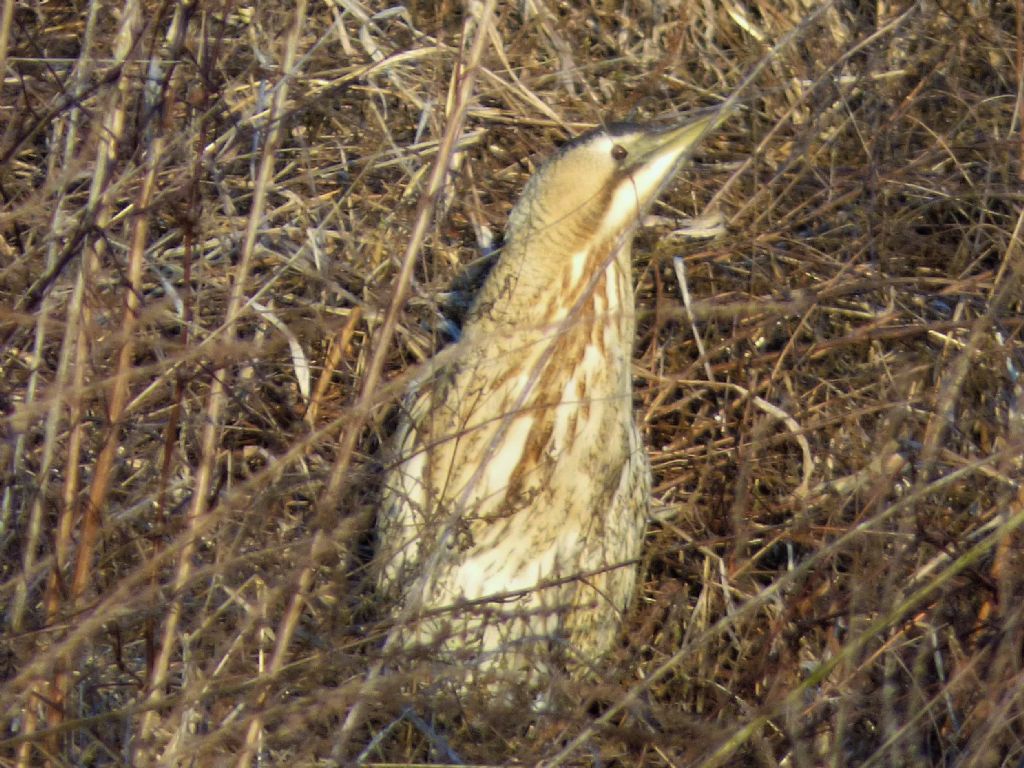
x,y
513,517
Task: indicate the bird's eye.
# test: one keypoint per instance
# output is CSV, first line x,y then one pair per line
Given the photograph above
x,y
619,152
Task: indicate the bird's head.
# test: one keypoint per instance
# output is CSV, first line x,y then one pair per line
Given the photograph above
x,y
598,186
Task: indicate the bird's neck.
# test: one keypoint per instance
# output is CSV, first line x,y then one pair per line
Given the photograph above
x,y
539,283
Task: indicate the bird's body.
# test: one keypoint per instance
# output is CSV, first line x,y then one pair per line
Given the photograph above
x,y
513,518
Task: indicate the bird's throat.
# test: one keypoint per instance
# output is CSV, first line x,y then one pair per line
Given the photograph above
x,y
530,288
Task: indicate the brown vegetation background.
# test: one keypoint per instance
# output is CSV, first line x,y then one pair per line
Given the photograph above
x,y
209,306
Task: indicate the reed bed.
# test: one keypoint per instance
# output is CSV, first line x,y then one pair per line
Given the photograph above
x,y
222,261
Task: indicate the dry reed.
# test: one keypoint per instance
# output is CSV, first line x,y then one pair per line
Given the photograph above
x,y
206,319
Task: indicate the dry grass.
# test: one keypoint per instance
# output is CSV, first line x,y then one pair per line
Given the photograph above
x,y
207,319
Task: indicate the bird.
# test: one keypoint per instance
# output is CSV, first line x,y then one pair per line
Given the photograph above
x,y
518,491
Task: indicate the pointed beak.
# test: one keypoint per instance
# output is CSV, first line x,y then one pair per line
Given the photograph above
x,y
656,155
676,142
